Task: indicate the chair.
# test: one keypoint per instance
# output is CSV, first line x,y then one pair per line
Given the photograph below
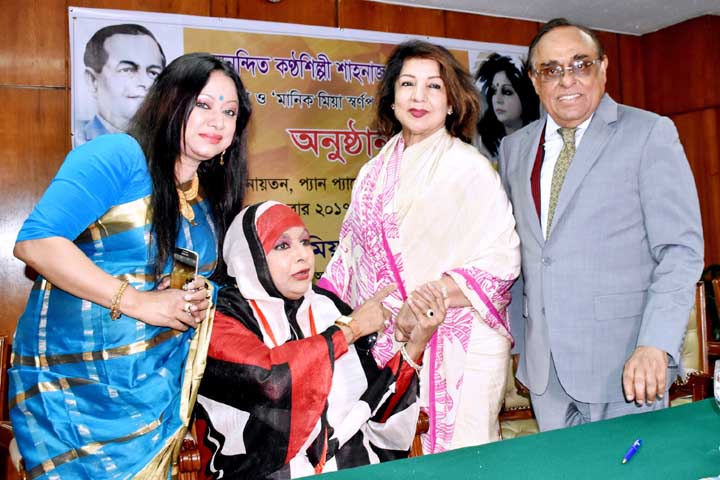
x,y
714,345
423,425
10,470
189,460
516,418
11,464
4,363
693,383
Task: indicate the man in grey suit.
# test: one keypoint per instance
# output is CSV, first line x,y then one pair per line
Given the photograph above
x,y
612,245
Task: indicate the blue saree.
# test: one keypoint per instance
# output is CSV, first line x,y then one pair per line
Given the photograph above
x,y
91,397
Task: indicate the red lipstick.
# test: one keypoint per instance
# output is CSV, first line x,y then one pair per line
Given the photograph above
x,y
211,137
302,274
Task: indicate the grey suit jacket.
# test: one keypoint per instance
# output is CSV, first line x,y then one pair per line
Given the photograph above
x,y
624,253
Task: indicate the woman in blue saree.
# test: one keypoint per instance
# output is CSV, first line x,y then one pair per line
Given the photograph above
x,y
107,357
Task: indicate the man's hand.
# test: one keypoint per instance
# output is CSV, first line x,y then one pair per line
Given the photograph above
x,y
644,376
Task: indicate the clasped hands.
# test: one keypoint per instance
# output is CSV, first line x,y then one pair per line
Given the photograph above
x,y
420,316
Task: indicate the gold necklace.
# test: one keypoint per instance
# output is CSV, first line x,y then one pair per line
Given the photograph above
x,y
186,196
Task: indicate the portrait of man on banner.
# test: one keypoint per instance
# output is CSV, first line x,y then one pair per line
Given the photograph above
x,y
120,63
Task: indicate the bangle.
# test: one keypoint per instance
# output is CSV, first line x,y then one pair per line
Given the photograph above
x,y
115,312
406,357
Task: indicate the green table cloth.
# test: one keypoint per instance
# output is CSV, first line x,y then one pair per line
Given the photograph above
x,y
678,443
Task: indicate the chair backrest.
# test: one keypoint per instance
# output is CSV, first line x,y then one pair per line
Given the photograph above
x,y
516,417
694,353
422,427
7,447
714,345
4,364
695,381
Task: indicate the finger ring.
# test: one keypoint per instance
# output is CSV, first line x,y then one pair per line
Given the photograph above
x,y
186,309
430,313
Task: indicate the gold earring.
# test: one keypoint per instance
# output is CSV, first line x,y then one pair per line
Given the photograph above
x,y
222,158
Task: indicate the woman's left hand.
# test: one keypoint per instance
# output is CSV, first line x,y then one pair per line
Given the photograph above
x,y
430,307
198,295
193,287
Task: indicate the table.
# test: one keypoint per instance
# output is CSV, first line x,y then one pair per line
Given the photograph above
x,y
678,443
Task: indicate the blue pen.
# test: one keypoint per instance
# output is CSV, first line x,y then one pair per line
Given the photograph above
x,y
632,451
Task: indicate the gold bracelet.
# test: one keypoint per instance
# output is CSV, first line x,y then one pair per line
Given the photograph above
x,y
355,330
410,361
346,321
115,312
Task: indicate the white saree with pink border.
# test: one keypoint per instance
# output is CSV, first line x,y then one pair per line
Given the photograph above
x,y
434,208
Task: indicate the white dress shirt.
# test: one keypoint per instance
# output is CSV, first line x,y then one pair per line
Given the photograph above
x,y
553,146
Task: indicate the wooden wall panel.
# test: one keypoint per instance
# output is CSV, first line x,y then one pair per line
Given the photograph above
x,y
682,66
630,68
384,17
33,50
482,28
610,44
306,12
700,134
35,140
186,7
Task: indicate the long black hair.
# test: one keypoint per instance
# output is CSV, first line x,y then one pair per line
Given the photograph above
x,y
159,127
491,130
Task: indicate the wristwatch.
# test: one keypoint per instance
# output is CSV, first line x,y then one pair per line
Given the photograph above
x,y
348,321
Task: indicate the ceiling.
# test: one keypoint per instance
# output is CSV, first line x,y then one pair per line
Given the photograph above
x,y
635,17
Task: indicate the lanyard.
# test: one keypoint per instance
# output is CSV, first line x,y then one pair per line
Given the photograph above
x,y
266,325
313,331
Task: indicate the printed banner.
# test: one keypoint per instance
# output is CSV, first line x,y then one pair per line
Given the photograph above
x,y
312,90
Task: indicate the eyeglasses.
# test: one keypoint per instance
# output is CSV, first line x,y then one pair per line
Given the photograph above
x,y
579,68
